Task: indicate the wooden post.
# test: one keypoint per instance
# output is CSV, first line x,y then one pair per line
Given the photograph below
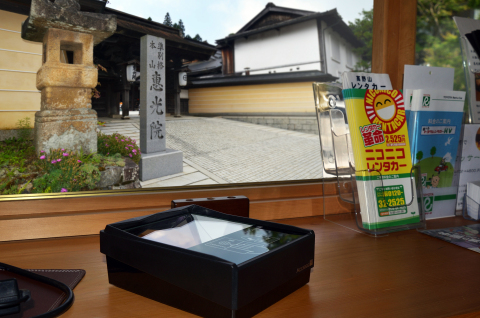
x,y
125,92
394,30
178,112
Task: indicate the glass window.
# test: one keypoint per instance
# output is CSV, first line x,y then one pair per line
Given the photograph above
x,y
256,124
335,49
437,40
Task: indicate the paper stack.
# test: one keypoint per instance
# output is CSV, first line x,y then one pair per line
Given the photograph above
x,y
473,199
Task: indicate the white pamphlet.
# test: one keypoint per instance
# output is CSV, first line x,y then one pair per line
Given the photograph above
x,y
361,80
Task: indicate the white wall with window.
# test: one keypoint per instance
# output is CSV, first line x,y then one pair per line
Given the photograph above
x,y
291,48
339,54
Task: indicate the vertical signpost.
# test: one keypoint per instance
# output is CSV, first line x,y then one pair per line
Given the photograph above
x,y
157,161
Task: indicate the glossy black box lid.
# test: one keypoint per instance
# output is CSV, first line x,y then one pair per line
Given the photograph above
x,y
210,262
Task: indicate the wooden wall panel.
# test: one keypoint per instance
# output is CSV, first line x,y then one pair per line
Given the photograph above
x,y
11,21
18,81
264,98
19,63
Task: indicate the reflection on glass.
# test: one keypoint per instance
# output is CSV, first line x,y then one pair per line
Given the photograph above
x,y
193,230
437,42
274,97
232,241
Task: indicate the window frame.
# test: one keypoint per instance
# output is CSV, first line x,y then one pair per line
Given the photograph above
x,y
59,215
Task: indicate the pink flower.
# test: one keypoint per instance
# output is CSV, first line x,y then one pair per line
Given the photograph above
x,y
54,161
108,153
64,190
126,148
65,154
134,151
79,161
130,155
123,140
42,157
58,160
42,151
63,149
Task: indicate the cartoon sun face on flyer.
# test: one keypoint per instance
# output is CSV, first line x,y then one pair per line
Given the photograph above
x,y
385,108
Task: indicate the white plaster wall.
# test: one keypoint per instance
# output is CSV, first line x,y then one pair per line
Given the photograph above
x,y
336,65
295,45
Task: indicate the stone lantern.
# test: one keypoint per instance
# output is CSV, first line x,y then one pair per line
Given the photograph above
x,y
66,118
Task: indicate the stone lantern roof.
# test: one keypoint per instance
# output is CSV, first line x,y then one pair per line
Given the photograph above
x,y
66,15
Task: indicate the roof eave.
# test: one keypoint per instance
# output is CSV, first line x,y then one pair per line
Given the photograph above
x,y
272,8
332,14
263,79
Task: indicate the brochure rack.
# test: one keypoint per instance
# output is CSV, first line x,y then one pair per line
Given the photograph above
x,y
337,155
471,209
472,73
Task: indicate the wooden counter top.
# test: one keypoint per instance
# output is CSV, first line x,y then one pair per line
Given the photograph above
x,y
406,274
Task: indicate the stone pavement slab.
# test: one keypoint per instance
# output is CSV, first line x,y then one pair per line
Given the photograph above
x,y
218,150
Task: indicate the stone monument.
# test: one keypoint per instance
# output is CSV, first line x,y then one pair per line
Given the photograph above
x,y
65,119
157,161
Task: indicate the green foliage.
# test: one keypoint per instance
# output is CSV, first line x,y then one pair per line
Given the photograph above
x,y
437,42
433,151
24,128
198,38
419,155
446,52
188,37
363,30
65,172
168,21
149,19
181,26
16,152
21,170
118,144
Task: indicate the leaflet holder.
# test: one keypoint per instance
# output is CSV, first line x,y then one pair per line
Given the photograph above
x,y
337,156
471,209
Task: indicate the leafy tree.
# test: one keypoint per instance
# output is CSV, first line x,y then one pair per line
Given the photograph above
x,y
149,19
437,42
181,26
363,30
198,38
419,155
433,151
188,37
168,21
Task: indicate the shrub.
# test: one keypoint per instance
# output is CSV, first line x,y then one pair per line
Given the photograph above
x,y
24,130
109,145
65,172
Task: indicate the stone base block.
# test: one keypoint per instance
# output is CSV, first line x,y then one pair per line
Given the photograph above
x,y
115,116
69,129
160,164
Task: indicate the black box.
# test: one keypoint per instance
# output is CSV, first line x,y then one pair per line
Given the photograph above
x,y
206,262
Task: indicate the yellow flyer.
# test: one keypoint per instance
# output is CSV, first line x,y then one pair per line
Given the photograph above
x,y
379,134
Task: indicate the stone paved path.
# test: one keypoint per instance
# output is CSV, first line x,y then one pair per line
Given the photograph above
x,y
218,150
